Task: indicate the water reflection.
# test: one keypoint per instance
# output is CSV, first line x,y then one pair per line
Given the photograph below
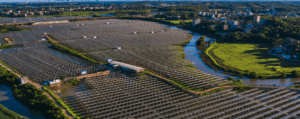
x,y
7,100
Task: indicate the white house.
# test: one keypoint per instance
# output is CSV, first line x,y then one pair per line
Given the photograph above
x,y
84,37
95,37
152,31
134,32
119,48
83,72
161,30
53,81
43,39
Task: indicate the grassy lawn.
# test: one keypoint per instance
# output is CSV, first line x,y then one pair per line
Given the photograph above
x,y
178,21
252,57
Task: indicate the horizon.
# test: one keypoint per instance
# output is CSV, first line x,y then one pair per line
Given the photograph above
x,y
65,1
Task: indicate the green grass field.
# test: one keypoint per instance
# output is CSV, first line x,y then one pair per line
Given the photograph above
x,y
178,21
252,57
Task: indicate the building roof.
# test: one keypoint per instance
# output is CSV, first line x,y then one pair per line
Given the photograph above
x,y
126,65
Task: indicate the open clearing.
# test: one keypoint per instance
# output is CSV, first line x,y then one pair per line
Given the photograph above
x,y
252,57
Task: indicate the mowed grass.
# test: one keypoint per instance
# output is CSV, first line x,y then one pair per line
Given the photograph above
x,y
178,21
252,57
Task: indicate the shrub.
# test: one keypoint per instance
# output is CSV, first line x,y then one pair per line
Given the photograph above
x,y
295,74
283,75
253,75
62,77
231,78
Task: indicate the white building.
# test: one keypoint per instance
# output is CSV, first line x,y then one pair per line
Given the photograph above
x,y
195,22
23,80
53,82
256,19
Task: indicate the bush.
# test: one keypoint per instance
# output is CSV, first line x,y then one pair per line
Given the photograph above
x,y
283,75
62,77
253,75
231,78
295,74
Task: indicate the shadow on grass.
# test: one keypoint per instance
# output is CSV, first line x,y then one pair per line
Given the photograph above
x,y
263,54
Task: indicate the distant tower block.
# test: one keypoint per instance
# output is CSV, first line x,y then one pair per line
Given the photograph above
x,y
195,22
256,19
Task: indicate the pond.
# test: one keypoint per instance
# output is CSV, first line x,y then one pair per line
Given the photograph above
x,y
192,54
9,101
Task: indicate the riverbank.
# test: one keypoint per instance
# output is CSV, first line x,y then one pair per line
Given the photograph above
x,y
8,114
30,96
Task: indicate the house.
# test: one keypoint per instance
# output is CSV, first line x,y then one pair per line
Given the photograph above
x,y
246,30
195,22
23,80
224,27
291,41
83,72
119,48
57,81
233,22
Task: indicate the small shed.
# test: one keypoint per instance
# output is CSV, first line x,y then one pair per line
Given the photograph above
x,y
95,37
84,37
45,33
43,39
134,32
23,80
108,60
83,72
152,32
107,22
161,30
57,81
119,48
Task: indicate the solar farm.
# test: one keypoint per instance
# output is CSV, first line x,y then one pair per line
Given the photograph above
x,y
145,44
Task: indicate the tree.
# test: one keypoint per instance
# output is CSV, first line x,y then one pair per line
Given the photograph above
x,y
295,74
201,41
253,75
62,77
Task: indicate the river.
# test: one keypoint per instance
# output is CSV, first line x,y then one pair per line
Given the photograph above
x,y
9,101
191,53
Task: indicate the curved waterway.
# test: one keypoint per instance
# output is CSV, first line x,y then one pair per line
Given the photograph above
x,y
9,101
192,54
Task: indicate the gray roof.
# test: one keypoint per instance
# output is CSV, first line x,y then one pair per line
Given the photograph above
x,y
126,65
